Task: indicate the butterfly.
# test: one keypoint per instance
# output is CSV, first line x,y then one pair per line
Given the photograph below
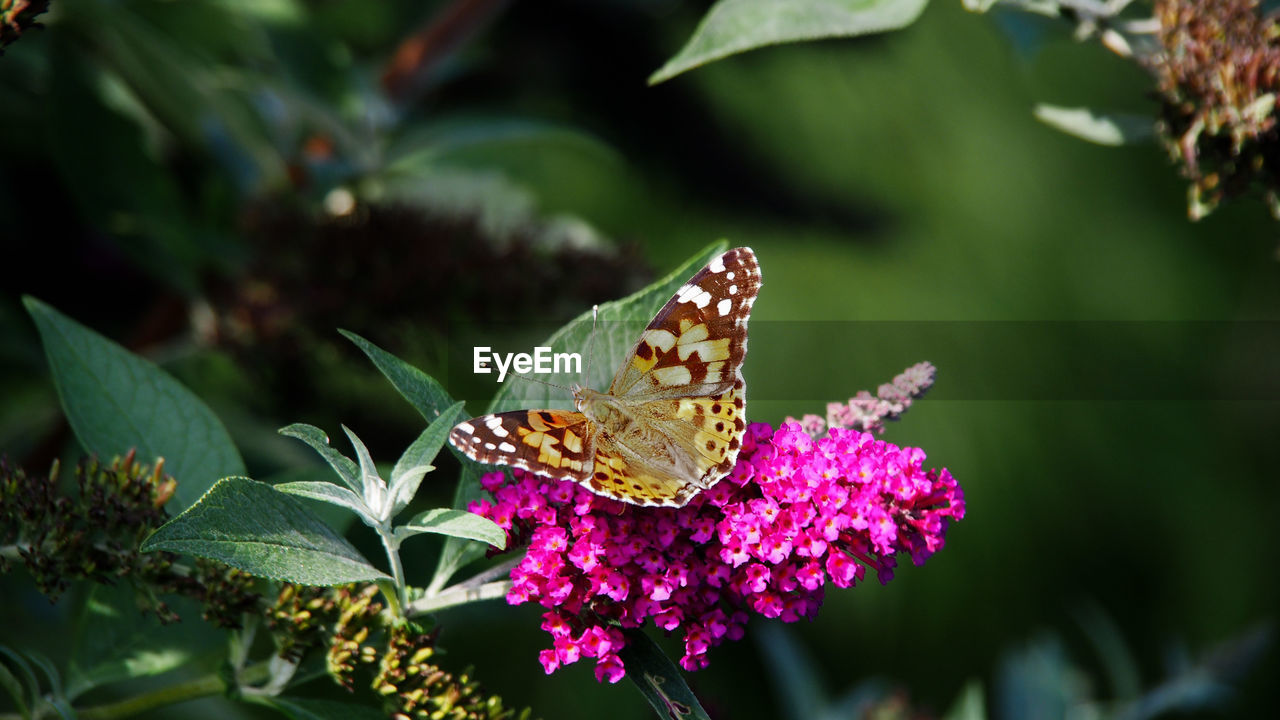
x,y
671,423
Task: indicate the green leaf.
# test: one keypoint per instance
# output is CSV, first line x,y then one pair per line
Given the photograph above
x,y
372,486
658,679
419,388
969,705
115,400
319,441
328,492
734,26
455,523
314,709
12,685
1100,128
113,641
249,525
416,460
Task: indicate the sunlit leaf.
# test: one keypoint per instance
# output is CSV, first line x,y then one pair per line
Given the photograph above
x,y
253,527
734,26
1100,128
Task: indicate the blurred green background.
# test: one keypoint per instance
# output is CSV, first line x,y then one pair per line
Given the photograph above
x,y
178,176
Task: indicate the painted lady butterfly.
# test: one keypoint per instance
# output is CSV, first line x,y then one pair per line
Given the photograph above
x,y
670,425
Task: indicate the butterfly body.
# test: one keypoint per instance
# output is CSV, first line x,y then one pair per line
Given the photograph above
x,y
670,424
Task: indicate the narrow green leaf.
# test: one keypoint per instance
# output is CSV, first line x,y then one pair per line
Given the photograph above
x,y
1100,128
50,671
969,705
419,388
658,679
328,492
734,26
13,687
319,441
416,460
28,675
250,526
455,523
372,488
315,709
113,641
115,400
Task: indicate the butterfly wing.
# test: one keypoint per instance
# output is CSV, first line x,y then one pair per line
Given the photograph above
x,y
683,379
696,343
556,443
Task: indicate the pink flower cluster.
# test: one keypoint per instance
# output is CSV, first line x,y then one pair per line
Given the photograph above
x,y
794,515
868,413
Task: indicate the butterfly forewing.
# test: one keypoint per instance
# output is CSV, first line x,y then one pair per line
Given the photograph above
x,y
696,343
556,443
682,386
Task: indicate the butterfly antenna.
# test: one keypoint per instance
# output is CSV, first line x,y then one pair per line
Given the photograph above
x,y
591,343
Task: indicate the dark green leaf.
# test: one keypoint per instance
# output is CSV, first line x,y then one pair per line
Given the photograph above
x,y
314,709
455,523
12,685
734,26
419,388
113,641
319,441
251,526
658,679
116,400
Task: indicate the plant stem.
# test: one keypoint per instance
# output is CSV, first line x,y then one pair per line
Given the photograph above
x,y
393,557
459,595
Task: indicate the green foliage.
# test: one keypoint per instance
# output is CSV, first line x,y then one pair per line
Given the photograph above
x,y
734,26
659,680
114,642
116,401
455,523
251,526
1103,129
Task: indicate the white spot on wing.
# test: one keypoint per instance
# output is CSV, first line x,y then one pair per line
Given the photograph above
x,y
724,306
507,447
717,265
465,427
695,295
